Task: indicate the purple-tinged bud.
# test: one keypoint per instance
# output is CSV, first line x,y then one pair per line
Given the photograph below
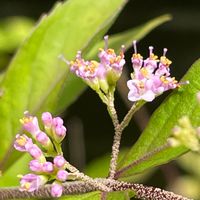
x,y
22,142
35,166
30,123
62,175
35,152
57,121
60,131
56,189
47,119
31,182
42,138
59,162
48,167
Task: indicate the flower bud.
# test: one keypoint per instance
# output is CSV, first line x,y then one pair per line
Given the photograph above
x,y
62,175
56,189
47,119
48,167
59,162
35,166
36,152
43,139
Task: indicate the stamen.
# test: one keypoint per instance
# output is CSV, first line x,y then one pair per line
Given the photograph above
x,y
106,42
123,48
165,51
26,114
184,82
64,59
150,50
78,55
135,46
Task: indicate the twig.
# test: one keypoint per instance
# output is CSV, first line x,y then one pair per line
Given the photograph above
x,y
80,187
117,137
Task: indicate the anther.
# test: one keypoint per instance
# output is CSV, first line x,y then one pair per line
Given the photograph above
x,y
106,42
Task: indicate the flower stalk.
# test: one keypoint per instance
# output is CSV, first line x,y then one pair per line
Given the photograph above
x,y
80,187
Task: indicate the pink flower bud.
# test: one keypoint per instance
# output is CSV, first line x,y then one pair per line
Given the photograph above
x,y
62,175
60,131
57,121
42,138
47,119
59,161
22,142
48,167
35,151
56,190
35,166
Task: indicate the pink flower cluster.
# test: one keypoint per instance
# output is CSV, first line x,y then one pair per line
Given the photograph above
x,y
42,170
107,71
151,77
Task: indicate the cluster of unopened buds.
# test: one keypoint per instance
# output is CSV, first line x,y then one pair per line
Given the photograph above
x,y
42,145
184,133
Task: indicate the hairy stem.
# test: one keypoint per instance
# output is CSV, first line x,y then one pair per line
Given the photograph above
x,y
141,159
117,137
98,185
80,187
129,115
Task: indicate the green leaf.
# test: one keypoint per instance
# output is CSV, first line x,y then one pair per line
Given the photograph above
x,y
90,195
9,178
99,167
127,37
36,70
120,195
181,102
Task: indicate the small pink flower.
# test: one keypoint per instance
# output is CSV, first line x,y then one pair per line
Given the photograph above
x,y
35,166
30,123
48,167
56,190
151,77
22,142
31,182
84,69
62,175
59,161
